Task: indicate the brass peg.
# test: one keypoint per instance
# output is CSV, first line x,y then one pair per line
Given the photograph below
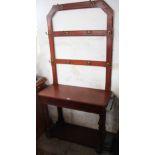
x,y
89,32
52,60
108,64
109,32
92,3
60,7
66,33
48,33
68,62
89,63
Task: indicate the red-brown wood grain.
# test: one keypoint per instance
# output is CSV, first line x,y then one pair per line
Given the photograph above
x,y
80,33
85,99
82,62
77,5
51,42
109,52
87,4
108,33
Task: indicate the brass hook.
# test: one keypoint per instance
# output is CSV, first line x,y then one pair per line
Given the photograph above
x,y
89,63
89,32
52,60
92,3
68,62
60,7
48,33
108,64
66,33
109,32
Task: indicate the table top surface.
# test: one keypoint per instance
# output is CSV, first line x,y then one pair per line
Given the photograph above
x,y
77,94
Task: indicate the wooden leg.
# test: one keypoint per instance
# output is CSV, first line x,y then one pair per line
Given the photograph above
x,y
101,132
60,115
48,121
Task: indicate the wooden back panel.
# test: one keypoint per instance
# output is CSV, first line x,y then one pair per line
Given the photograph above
x,y
108,33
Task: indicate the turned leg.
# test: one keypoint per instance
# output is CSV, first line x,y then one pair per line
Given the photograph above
x,y
60,115
101,132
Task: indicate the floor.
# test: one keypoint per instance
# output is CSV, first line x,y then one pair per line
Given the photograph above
x,y
55,146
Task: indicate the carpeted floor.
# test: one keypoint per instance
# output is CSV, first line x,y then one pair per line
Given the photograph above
x,y
55,146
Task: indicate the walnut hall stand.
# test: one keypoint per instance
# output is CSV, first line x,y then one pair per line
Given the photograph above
x,y
79,98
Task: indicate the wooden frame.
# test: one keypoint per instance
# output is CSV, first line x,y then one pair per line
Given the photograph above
x,y
108,33
90,100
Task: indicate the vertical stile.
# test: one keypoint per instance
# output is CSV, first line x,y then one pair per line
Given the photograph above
x,y
51,42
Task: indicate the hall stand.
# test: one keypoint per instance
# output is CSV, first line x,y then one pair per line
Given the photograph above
x,y
78,98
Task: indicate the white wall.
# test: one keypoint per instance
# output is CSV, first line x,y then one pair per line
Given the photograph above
x,y
78,48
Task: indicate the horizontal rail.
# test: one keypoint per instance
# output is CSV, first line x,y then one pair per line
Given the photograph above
x,y
81,33
82,62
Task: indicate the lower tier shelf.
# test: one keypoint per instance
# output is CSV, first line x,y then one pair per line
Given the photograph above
x,y
80,135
